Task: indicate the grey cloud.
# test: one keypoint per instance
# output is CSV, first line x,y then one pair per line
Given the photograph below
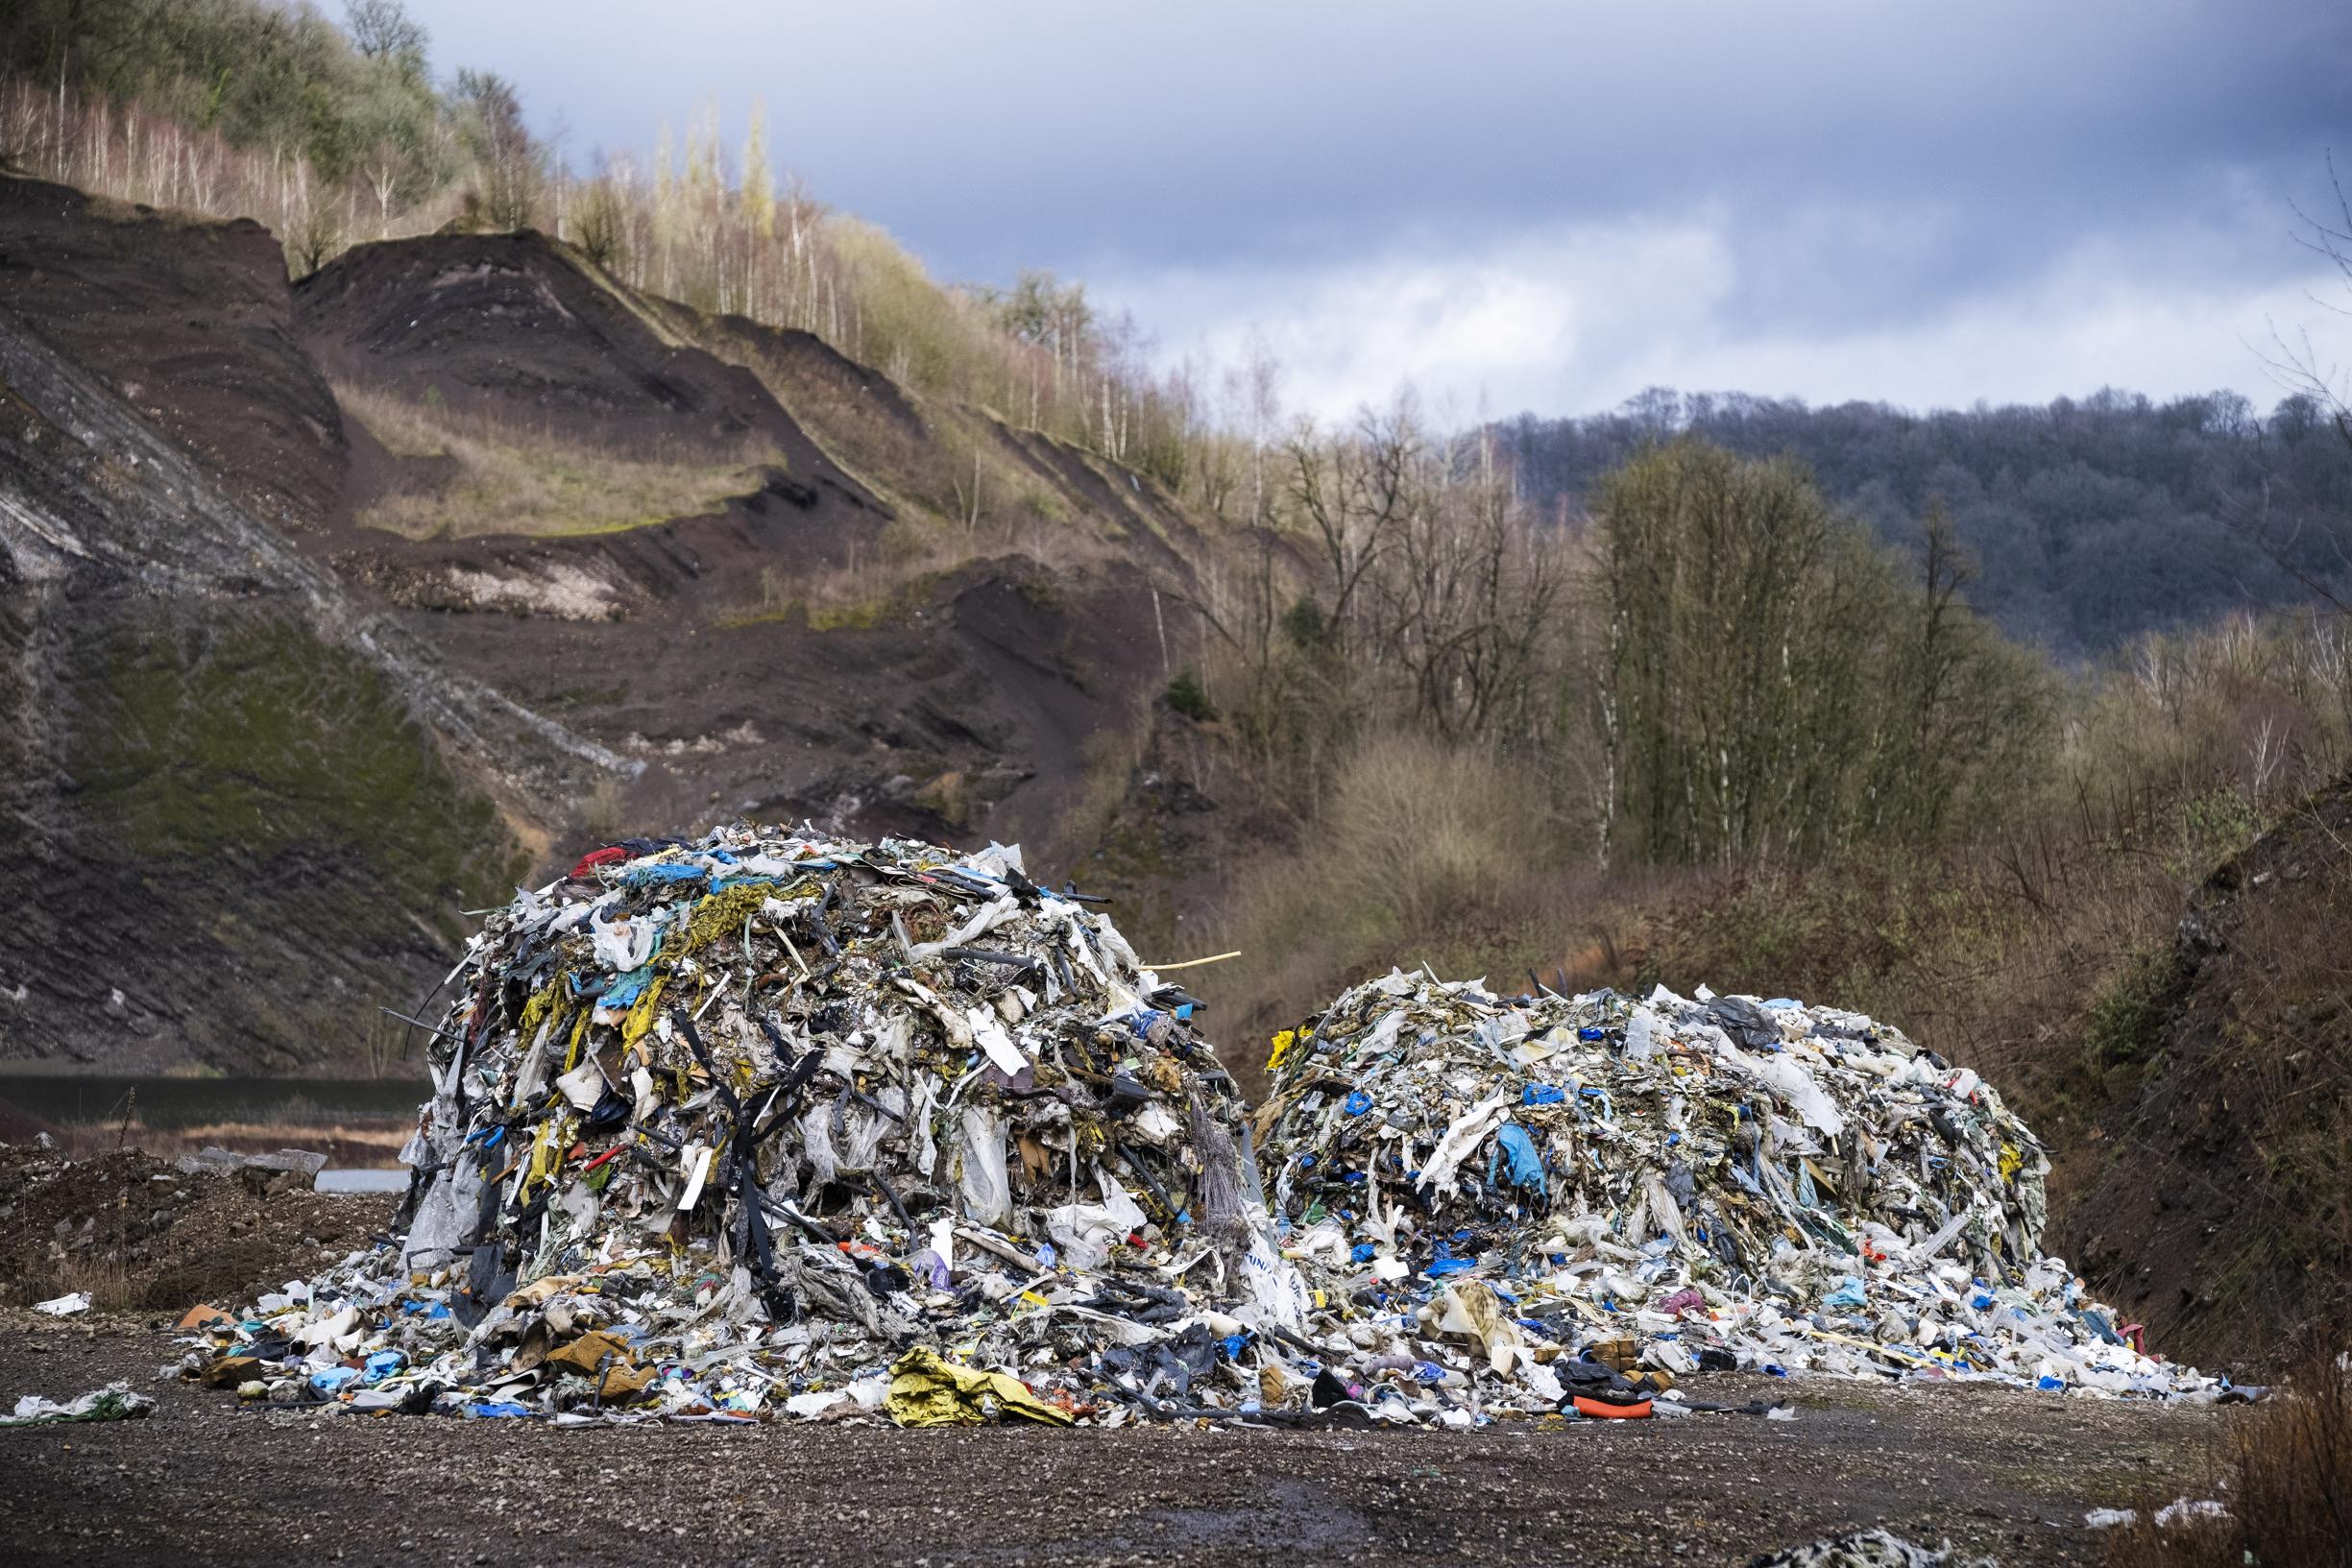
x,y
1872,163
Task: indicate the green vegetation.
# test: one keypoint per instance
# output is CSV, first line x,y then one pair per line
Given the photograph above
x,y
2119,1020
1768,684
257,75
2093,521
262,745
506,481
1189,698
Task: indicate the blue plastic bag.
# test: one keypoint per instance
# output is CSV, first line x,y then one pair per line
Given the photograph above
x,y
1512,1145
333,1380
1849,1296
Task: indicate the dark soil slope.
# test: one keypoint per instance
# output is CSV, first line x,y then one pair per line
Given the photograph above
x,y
2221,1210
238,812
226,831
328,611
947,461
190,323
959,702
517,331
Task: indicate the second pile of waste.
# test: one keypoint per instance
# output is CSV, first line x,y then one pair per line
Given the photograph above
x,y
1669,1185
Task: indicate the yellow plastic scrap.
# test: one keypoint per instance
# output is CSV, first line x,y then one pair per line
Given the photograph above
x,y
2011,1157
716,915
641,1017
606,1359
1281,1042
540,1004
579,1032
929,1390
547,1154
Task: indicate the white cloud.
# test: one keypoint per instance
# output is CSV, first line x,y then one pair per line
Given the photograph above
x,y
1576,318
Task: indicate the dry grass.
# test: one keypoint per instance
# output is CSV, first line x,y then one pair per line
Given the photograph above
x,y
870,590
1423,854
2285,1477
957,475
108,1282
505,480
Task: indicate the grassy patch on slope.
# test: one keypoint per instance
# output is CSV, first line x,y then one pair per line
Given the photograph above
x,y
503,480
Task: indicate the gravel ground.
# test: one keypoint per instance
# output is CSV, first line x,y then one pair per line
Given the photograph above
x,y
1995,1471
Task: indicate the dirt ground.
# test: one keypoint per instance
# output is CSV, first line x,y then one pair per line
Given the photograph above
x,y
135,1233
202,1481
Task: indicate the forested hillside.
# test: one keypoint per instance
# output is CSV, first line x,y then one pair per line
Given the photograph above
x,y
2091,521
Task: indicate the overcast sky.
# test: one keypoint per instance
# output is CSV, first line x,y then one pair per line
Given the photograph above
x,y
1544,205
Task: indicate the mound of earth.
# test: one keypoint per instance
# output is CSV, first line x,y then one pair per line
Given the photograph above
x,y
515,339
226,821
138,1234
189,321
959,703
329,611
2220,1210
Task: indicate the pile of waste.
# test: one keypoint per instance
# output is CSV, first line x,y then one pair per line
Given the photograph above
x,y
1663,1185
776,1124
1867,1549
772,1123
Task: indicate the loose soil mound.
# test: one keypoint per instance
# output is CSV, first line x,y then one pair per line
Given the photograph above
x,y
190,322
2220,1209
137,1233
510,333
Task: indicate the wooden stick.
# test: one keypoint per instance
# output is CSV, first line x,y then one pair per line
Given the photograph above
x,y
1193,963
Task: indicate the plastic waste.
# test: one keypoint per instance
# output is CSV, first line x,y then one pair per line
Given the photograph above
x,y
721,1129
115,1401
929,1390
1666,1184
1867,1549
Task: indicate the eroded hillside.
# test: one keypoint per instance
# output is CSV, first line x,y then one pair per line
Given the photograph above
x,y
332,609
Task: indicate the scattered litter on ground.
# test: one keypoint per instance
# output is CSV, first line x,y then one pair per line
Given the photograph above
x,y
1867,1549
778,1123
2177,1512
64,1306
1478,1186
115,1401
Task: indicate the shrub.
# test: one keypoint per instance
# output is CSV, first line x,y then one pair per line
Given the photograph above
x,y
1189,698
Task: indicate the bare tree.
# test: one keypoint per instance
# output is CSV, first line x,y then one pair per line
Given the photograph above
x,y
383,29
2306,373
512,167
